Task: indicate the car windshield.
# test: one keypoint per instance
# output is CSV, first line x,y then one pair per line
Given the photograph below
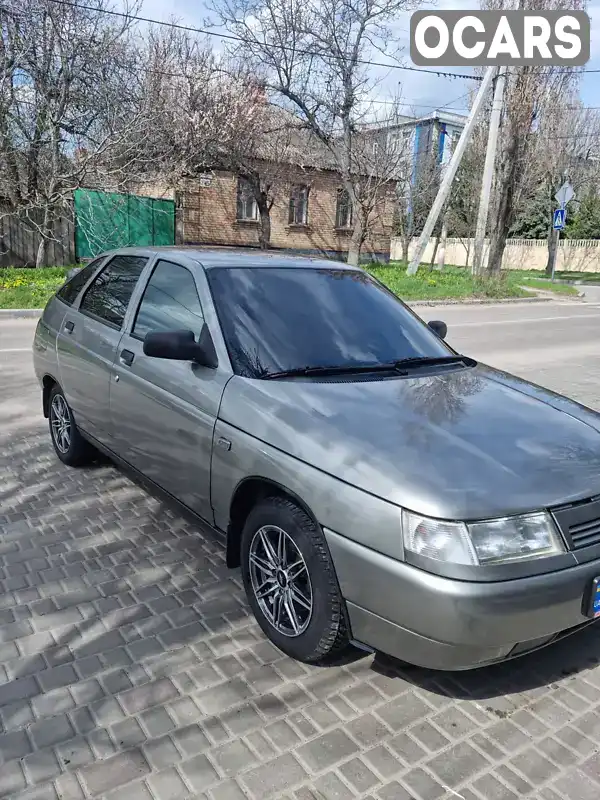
x,y
280,319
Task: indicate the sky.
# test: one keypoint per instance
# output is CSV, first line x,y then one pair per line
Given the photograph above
x,y
420,93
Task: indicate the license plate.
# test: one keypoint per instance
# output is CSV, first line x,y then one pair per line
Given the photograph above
x,y
594,601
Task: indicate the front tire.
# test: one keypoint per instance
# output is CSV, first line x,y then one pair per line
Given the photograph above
x,y
69,445
291,583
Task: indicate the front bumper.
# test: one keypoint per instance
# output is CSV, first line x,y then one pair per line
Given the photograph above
x,y
447,624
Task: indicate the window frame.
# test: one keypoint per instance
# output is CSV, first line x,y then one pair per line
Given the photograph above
x,y
399,141
158,261
98,261
102,320
244,188
343,192
297,190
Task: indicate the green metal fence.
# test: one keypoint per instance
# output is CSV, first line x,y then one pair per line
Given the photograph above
x,y
107,220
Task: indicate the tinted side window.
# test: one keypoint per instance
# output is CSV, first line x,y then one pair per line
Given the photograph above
x,y
170,302
109,294
68,293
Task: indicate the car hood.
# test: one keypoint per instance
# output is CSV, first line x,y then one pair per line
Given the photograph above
x,y
461,444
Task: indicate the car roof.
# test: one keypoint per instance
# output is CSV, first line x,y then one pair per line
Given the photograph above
x,y
211,257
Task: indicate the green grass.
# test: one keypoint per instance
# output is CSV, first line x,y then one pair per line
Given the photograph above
x,y
561,275
547,286
453,283
29,288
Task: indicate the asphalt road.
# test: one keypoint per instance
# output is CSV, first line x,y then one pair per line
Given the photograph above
x,y
554,344
131,667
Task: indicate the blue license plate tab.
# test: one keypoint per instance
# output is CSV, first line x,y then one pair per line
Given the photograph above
x,y
594,601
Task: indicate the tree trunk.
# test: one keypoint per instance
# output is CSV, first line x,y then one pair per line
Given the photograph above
x,y
552,245
441,258
435,249
405,246
408,235
356,242
46,235
505,182
264,231
40,260
497,245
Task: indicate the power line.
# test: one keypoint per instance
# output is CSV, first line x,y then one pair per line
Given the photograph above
x,y
232,37
433,106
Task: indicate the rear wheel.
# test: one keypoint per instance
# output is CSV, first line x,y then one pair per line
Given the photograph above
x,y
291,583
69,444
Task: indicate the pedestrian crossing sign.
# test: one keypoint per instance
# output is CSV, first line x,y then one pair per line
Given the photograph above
x,y
559,219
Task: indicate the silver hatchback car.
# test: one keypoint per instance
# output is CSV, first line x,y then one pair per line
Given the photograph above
x,y
374,485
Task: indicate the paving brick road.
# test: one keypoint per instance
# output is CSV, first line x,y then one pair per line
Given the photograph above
x,y
131,668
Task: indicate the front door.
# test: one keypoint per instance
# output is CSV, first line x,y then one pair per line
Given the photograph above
x,y
163,411
87,344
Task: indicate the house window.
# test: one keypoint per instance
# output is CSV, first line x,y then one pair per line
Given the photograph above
x,y
343,214
247,210
298,206
399,141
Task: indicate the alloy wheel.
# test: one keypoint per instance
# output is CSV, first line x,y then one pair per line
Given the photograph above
x,y
280,580
60,419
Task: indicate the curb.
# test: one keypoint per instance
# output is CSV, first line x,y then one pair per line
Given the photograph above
x,y
20,313
486,301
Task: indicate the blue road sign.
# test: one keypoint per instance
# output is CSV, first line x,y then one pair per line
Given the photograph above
x,y
560,216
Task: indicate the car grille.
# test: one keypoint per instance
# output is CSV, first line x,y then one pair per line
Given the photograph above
x,y
580,523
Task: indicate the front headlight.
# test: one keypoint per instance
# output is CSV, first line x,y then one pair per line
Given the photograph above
x,y
497,541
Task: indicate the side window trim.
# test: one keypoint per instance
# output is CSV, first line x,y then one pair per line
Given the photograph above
x,y
95,317
84,288
123,326
155,262
75,304
138,294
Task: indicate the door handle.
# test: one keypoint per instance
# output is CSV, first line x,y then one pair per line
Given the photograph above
x,y
126,357
69,326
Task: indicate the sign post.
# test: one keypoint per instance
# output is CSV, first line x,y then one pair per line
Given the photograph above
x,y
562,197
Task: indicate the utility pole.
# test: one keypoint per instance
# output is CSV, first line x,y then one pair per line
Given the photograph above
x,y
564,195
488,171
446,184
441,254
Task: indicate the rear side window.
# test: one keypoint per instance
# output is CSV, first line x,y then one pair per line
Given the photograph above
x,y
68,293
109,294
170,302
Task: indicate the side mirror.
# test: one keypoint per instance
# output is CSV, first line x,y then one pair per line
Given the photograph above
x,y
438,327
182,346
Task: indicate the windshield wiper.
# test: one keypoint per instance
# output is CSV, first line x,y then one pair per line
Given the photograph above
x,y
398,367
341,369
419,361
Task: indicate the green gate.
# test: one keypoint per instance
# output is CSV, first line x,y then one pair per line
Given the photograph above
x,y
107,220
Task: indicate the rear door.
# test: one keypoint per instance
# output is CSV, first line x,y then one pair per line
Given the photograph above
x,y
87,344
53,322
164,411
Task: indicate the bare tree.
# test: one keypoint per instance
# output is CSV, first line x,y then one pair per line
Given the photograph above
x,y
261,150
67,106
312,53
209,112
566,147
415,196
531,94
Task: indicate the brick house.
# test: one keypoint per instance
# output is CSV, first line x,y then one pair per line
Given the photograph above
x,y
310,214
